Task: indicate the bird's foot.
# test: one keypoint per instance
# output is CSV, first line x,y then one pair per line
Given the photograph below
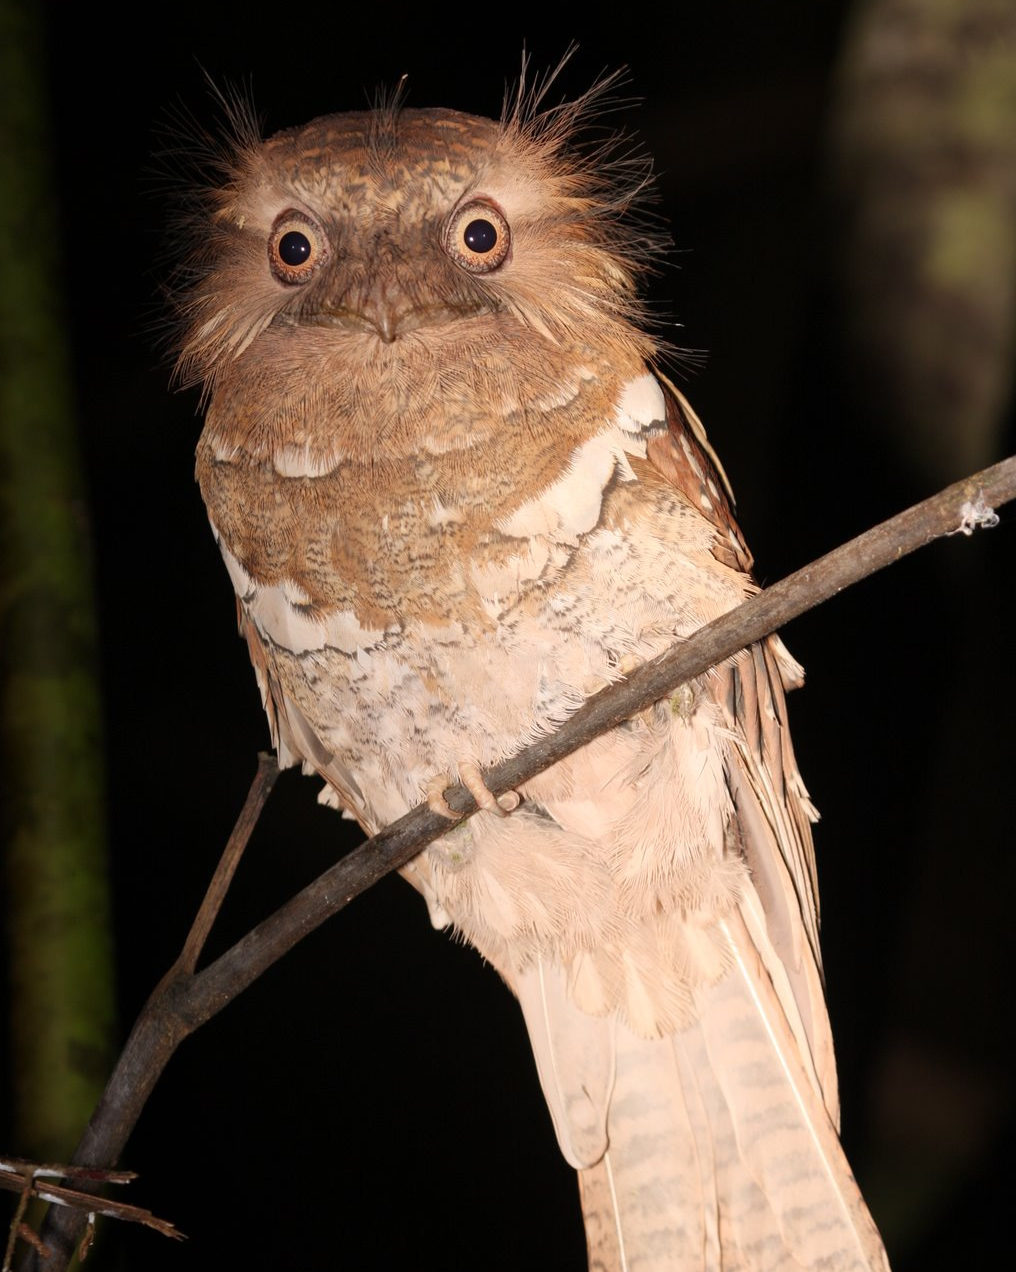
x,y
471,778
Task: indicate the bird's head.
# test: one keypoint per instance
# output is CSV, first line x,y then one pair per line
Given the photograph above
x,y
393,233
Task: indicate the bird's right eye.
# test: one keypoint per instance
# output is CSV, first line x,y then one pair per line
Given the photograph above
x,y
297,248
478,237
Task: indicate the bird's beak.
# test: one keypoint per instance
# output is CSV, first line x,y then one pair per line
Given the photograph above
x,y
391,299
387,309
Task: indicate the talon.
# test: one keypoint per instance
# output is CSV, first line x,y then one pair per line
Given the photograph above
x,y
472,779
436,801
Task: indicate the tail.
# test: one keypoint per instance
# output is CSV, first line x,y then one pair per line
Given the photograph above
x,y
710,1150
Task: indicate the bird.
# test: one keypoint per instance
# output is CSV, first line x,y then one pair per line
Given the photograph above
x,y
457,495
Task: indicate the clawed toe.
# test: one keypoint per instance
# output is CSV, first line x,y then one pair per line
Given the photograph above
x,y
471,778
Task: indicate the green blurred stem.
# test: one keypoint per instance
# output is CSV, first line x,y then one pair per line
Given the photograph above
x,y
55,888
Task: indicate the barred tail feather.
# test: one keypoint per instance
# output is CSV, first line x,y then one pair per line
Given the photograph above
x,y
722,1156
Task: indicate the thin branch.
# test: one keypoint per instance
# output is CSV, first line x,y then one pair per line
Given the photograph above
x,y
257,797
184,1001
30,1179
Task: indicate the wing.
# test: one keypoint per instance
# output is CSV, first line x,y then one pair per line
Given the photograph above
x,y
773,811
294,738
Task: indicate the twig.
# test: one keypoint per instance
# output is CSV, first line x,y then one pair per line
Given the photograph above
x,y
29,1179
257,797
185,1001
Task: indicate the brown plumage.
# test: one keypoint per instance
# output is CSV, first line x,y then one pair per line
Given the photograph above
x,y
455,500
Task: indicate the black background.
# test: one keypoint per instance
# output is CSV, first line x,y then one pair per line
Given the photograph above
x,y
371,1103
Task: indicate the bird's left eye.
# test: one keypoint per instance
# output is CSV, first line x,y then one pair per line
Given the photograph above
x,y
477,237
297,247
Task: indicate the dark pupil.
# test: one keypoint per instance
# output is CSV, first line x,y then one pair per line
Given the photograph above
x,y
294,248
480,236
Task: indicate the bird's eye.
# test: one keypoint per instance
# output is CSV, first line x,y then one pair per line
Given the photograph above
x,y
477,237
297,248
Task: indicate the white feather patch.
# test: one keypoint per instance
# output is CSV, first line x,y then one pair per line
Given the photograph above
x,y
281,615
641,405
570,507
302,461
